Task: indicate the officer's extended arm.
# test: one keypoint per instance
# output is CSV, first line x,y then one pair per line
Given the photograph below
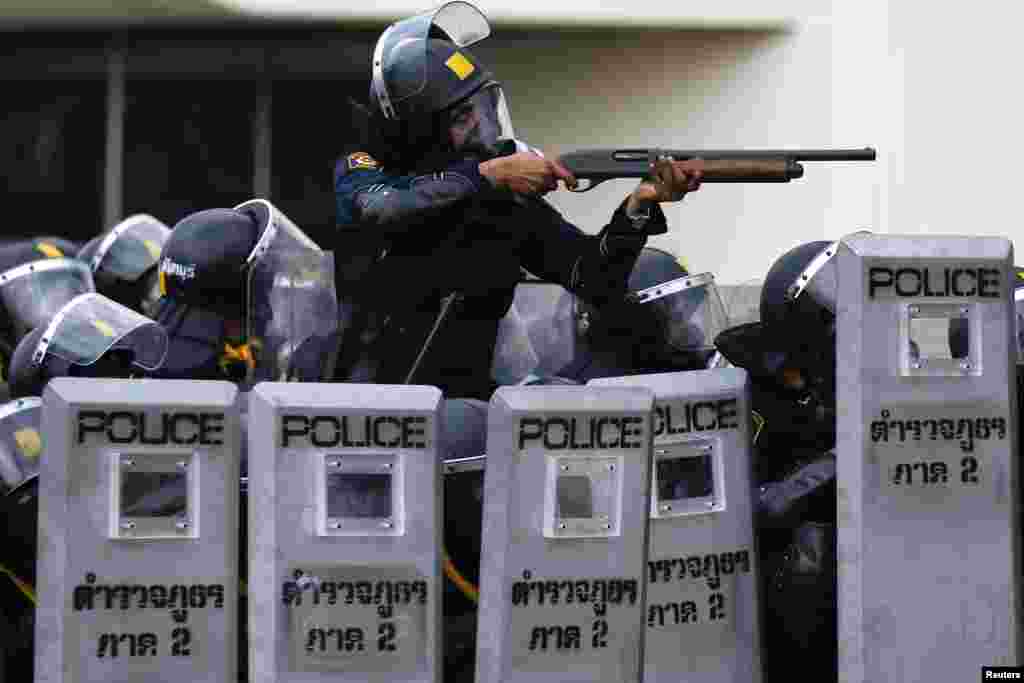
x,y
595,267
599,268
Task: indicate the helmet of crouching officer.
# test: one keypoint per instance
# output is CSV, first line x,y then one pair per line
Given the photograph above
x,y
91,336
790,352
32,292
668,320
243,296
124,262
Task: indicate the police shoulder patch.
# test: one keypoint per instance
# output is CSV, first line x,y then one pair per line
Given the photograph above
x,y
361,160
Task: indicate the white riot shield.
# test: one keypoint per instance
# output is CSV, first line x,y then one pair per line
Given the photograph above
x,y
345,569
138,532
564,554
702,587
929,559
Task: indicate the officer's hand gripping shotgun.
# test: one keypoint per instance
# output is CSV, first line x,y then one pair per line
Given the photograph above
x,y
594,166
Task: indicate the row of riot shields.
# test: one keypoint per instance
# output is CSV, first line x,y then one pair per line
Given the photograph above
x,y
618,523
617,526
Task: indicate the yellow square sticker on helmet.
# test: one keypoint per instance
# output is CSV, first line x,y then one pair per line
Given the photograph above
x,y
163,283
49,250
29,442
153,248
104,327
460,66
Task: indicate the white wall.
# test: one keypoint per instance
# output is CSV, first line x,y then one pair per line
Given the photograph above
x,y
617,13
935,90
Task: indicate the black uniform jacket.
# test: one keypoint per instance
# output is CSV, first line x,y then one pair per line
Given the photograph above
x,y
405,243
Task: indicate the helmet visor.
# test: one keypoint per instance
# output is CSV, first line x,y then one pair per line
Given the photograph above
x,y
131,248
690,312
20,442
481,121
818,280
291,296
91,324
400,56
34,292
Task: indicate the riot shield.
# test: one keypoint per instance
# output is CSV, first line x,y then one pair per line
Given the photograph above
x,y
539,335
927,459
292,309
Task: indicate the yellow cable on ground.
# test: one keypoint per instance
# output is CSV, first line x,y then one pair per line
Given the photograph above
x,y
24,587
465,586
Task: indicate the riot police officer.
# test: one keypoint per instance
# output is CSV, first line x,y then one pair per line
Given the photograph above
x,y
443,206
465,217
790,355
124,262
246,296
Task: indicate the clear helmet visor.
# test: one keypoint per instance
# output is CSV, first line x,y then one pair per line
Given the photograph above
x,y
481,121
291,298
819,280
33,293
90,325
20,440
400,59
131,248
690,313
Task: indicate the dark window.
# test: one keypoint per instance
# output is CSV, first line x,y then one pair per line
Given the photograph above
x,y
682,478
359,495
311,127
187,146
52,157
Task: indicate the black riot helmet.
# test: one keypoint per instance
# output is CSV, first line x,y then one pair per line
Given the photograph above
x,y
797,326
791,350
427,89
668,317
667,320
241,287
124,262
91,336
